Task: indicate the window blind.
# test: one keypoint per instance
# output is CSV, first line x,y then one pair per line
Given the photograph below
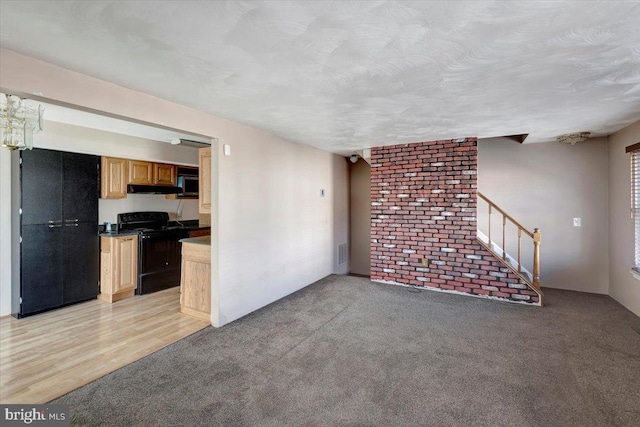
x,y
635,203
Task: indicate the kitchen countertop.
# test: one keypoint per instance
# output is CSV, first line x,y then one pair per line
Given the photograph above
x,y
189,225
118,233
201,240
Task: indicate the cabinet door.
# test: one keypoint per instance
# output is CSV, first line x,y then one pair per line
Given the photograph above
x,y
204,182
41,267
164,174
80,188
126,262
41,184
80,261
195,284
113,178
140,172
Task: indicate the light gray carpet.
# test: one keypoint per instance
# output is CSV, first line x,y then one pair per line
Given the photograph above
x,y
346,351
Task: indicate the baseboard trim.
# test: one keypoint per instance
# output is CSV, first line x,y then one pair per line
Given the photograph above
x,y
447,291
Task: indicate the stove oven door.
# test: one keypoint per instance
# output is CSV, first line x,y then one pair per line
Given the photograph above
x,y
159,260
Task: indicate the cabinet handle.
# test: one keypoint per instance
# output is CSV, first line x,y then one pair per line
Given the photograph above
x,y
71,220
71,225
54,221
55,225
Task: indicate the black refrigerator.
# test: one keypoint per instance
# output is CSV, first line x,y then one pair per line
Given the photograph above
x,y
56,247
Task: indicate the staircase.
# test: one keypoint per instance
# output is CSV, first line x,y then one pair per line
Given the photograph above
x,y
531,279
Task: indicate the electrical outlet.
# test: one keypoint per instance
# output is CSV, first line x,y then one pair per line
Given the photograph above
x,y
577,222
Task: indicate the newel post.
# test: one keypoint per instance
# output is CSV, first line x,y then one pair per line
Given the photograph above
x,y
536,257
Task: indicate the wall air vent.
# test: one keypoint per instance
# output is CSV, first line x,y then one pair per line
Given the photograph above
x,y
342,253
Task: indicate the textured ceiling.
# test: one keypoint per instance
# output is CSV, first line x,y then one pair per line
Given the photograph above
x,y
347,75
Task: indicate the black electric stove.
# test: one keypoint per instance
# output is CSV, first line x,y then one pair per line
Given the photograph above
x,y
159,249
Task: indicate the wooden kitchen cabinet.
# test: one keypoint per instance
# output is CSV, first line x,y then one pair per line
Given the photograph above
x,y
204,181
200,232
113,178
140,172
195,281
118,267
164,174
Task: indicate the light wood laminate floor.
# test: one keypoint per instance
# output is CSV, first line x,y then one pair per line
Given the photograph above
x,y
45,356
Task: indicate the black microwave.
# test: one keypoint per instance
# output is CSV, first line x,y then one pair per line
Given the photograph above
x,y
188,182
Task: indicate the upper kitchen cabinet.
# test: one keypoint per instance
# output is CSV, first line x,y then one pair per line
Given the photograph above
x,y
140,172
164,174
41,174
117,174
80,195
204,181
113,178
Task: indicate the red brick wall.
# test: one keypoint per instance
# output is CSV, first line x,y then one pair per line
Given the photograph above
x,y
423,205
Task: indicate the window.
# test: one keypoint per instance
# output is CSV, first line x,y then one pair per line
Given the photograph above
x,y
635,200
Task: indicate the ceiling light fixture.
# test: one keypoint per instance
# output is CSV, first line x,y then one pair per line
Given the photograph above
x,y
573,138
353,158
18,122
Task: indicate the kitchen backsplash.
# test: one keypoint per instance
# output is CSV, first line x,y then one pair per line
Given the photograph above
x,y
108,209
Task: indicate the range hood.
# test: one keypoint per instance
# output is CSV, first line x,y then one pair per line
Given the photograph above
x,y
153,189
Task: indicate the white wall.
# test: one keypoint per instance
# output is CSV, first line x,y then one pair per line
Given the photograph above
x,y
623,287
5,232
273,231
546,185
276,232
339,192
360,220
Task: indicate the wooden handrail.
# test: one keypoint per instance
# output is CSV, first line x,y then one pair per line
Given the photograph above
x,y
509,217
536,257
535,235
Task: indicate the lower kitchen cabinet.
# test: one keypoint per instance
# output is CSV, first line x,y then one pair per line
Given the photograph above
x,y
118,267
42,286
195,283
81,262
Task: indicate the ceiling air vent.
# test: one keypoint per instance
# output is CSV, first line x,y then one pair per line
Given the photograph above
x,y
189,143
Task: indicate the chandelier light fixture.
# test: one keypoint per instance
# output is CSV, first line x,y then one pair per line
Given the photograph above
x,y
18,122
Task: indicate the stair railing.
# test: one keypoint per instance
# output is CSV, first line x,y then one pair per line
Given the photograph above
x,y
535,236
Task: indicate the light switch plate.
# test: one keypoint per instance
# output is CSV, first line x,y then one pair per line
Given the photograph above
x,y
227,150
322,192
577,222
